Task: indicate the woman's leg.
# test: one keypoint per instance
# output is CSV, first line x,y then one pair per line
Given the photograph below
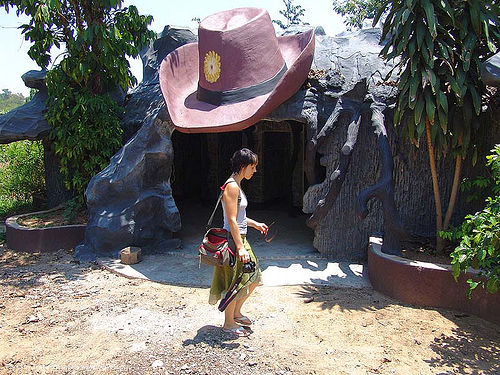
x,y
237,308
229,322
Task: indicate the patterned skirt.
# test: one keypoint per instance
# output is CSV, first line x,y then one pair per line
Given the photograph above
x,y
224,277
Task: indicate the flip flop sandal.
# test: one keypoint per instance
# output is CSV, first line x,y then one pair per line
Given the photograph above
x,y
243,320
240,331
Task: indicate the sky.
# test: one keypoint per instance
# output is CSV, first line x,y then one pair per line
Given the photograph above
x,y
15,60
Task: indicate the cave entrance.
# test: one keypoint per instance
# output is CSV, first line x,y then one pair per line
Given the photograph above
x,y
275,192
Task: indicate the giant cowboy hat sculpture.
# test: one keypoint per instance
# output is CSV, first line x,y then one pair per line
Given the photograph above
x,y
236,74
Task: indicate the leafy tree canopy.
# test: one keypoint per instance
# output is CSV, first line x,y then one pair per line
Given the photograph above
x,y
96,37
357,11
293,15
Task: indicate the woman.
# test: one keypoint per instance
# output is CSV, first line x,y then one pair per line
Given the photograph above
x,y
234,203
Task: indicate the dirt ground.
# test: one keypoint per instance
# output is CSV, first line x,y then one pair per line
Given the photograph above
x,y
53,218
61,317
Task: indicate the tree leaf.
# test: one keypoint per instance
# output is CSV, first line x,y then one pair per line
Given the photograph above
x,y
442,100
474,17
490,44
420,34
492,285
419,109
430,17
476,99
412,95
430,106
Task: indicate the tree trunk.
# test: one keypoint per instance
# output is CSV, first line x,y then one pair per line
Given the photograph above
x,y
435,187
56,191
454,192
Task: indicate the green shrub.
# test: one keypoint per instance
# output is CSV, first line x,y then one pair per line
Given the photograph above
x,y
85,137
10,206
479,237
22,173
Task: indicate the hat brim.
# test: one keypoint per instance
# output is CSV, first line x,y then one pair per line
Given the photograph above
x,y
179,82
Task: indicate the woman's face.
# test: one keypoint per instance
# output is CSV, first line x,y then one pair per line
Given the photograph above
x,y
248,171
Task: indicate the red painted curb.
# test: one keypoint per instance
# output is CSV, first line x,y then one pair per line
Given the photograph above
x,y
427,284
49,239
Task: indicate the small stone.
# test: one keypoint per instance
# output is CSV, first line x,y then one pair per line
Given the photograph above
x,y
157,363
243,356
252,363
34,318
137,347
130,255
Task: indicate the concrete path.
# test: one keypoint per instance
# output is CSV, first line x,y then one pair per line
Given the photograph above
x,y
179,268
290,259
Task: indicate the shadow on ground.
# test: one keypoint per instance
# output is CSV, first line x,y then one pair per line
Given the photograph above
x,y
474,344
26,270
473,347
214,337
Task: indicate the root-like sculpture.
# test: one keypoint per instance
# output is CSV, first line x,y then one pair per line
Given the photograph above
x,y
337,178
383,190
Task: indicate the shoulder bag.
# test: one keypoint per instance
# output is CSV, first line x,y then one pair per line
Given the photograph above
x,y
214,249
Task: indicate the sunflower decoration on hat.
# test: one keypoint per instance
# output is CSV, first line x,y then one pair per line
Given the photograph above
x,y
236,74
211,66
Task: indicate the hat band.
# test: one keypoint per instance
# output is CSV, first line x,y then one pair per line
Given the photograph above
x,y
239,94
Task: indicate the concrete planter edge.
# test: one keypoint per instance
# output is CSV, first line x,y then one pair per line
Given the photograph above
x,y
49,239
427,284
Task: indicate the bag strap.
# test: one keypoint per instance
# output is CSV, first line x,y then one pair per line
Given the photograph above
x,y
223,187
215,209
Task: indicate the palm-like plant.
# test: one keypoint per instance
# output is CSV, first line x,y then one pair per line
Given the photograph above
x,y
441,45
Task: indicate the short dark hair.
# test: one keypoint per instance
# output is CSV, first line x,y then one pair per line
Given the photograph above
x,y
242,158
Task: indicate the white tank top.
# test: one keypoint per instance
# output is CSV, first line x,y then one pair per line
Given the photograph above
x,y
241,216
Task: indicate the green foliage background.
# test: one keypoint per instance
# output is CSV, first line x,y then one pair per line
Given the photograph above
x,y
22,174
438,47
441,46
9,101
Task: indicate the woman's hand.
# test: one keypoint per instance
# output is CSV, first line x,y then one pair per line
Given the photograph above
x,y
243,255
261,227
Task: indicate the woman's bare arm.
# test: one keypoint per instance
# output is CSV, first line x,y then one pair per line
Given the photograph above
x,y
261,227
230,198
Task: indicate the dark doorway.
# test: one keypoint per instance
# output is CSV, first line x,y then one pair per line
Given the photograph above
x,y
201,164
275,193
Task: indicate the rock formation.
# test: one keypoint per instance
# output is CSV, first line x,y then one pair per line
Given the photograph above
x,y
27,121
130,202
